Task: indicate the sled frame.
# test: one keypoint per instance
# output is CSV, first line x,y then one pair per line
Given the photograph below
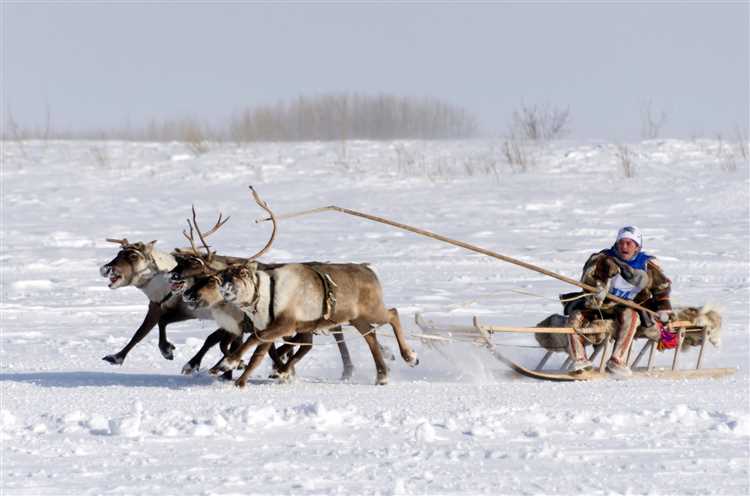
x,y
482,334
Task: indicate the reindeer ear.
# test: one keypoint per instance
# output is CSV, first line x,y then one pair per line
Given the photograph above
x,y
164,262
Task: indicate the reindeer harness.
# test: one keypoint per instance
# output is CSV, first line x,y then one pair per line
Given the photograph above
x,y
329,299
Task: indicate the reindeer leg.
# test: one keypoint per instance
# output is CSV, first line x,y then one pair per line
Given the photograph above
x,y
407,353
338,336
278,328
258,355
230,344
279,355
174,315
380,366
194,363
152,317
231,360
305,339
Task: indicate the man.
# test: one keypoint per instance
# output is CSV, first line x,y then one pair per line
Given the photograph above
x,y
625,271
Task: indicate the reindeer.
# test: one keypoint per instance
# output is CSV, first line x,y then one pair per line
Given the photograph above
x,y
140,265
193,264
295,298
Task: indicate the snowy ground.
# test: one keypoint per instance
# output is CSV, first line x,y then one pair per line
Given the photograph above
x,y
459,423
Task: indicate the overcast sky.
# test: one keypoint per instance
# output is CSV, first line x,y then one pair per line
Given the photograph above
x,y
103,65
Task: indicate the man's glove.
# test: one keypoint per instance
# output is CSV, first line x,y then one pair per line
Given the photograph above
x,y
665,316
597,298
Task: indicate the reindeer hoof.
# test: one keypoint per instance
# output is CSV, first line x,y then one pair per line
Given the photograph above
x,y
189,369
167,351
284,377
225,364
240,383
114,359
346,375
412,360
381,381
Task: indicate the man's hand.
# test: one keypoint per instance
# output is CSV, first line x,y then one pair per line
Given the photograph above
x,y
665,316
597,298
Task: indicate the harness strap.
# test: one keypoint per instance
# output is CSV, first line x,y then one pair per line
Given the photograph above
x,y
271,295
167,297
247,324
256,294
329,299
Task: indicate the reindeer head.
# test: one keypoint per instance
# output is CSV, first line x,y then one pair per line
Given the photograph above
x,y
192,263
189,266
133,263
204,293
239,283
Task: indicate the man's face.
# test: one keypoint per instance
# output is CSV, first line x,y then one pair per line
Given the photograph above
x,y
627,248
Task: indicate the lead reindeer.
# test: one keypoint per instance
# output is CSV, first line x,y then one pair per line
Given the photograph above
x,y
195,265
142,266
301,298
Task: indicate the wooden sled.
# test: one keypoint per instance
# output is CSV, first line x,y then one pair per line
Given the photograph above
x,y
482,335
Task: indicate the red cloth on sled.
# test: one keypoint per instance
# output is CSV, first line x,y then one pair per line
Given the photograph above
x,y
667,340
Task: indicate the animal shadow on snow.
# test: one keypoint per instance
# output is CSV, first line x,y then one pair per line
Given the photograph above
x,y
99,379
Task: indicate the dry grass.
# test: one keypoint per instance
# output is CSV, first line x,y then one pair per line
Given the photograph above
x,y
625,160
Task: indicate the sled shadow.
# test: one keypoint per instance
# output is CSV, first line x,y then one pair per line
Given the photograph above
x,y
99,379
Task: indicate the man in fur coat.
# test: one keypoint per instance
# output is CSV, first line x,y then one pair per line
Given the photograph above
x,y
623,270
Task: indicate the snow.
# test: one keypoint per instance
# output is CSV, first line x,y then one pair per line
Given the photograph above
x,y
459,422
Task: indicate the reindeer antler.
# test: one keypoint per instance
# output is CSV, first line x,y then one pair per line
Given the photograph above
x,y
200,234
216,227
121,242
265,207
191,237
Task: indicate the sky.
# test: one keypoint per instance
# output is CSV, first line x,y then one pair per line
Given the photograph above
x,y
105,65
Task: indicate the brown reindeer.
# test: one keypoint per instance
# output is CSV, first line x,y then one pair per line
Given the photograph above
x,y
301,298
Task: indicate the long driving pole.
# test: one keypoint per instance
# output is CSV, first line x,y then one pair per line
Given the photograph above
x,y
464,245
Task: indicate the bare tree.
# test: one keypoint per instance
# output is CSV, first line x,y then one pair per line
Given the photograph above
x,y
652,122
539,122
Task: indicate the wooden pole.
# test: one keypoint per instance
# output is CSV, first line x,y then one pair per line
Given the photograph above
x,y
466,246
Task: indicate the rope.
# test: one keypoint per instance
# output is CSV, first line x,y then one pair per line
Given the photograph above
x,y
294,343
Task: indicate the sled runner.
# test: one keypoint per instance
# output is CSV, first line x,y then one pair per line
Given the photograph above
x,y
686,332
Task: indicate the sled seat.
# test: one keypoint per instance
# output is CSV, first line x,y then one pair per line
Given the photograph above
x,y
698,326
